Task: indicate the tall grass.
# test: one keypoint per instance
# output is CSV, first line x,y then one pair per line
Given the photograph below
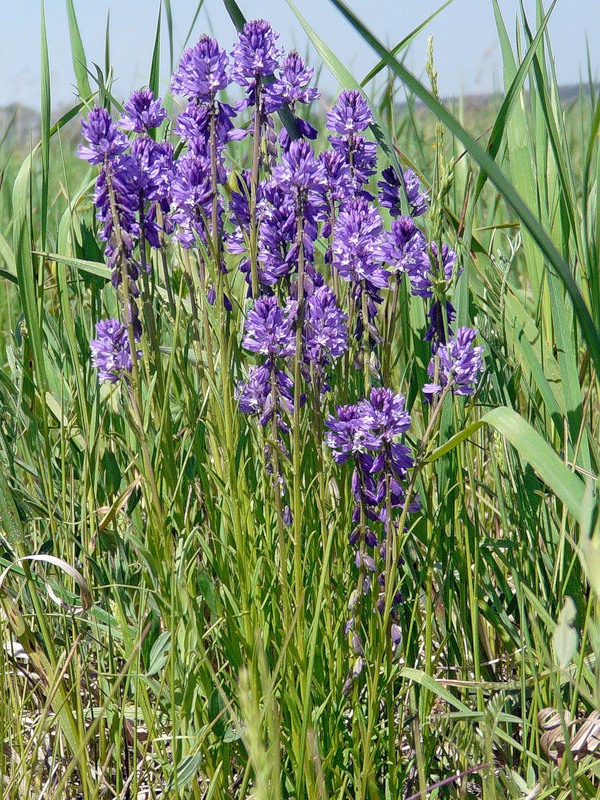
x,y
172,639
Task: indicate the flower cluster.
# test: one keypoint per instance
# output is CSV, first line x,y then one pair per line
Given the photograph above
x,y
370,433
111,354
457,365
319,241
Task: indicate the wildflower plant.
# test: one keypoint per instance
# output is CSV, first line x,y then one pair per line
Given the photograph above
x,y
291,260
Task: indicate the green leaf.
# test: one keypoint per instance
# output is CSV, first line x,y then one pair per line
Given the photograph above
x,y
159,653
45,128
91,267
78,53
531,447
565,636
184,772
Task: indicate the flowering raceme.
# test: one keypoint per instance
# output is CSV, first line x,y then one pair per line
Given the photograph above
x,y
460,364
142,112
111,354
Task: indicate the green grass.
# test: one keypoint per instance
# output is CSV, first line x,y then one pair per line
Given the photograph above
x,y
199,650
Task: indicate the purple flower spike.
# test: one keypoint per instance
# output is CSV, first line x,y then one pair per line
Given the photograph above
x,y
292,84
202,71
391,192
103,138
448,260
256,53
350,114
460,363
356,244
270,328
299,170
142,112
389,417
350,433
404,248
338,178
111,355
325,334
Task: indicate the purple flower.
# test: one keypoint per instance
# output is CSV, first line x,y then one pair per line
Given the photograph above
x,y
253,393
444,266
292,83
119,177
270,328
142,112
104,140
386,410
350,114
350,433
460,364
423,274
325,333
202,71
391,192
192,198
111,355
299,170
360,155
194,123
338,178
356,244
404,248
436,333
256,53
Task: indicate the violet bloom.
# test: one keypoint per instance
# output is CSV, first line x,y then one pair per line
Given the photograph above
x,y
350,114
256,54
404,248
111,354
338,178
194,124
392,188
443,267
347,119
270,328
423,276
387,413
142,112
277,249
439,328
390,422
152,181
299,171
300,176
192,197
103,138
202,71
368,433
325,336
460,364
291,86
350,433
356,244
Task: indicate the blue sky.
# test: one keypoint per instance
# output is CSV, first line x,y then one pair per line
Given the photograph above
x,y
465,39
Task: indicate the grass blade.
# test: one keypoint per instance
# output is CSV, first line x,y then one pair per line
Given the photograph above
x,y
78,53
